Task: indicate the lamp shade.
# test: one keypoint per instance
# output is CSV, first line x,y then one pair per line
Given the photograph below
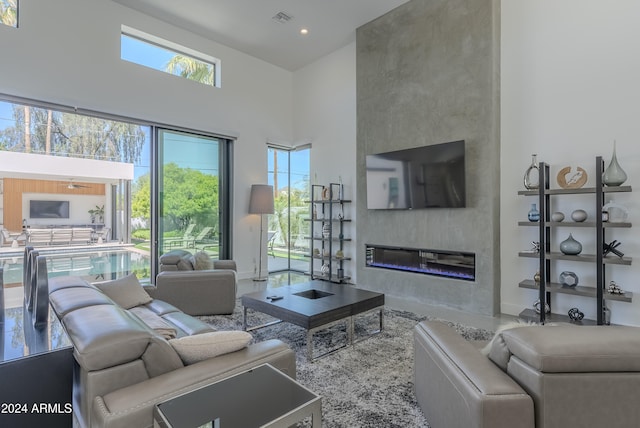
x,y
261,201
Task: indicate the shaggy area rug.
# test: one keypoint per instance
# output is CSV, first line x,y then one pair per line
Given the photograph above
x,y
369,384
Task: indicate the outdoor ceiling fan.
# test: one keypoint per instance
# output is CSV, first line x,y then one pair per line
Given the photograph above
x,y
71,185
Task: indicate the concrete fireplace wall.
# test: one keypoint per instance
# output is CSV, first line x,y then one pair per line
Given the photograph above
x,y
428,73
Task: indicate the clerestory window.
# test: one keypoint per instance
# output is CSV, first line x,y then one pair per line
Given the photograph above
x,y
9,13
162,55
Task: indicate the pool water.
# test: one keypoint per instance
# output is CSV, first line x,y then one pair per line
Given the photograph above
x,y
91,264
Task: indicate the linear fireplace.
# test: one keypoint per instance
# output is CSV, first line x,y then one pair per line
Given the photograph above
x,y
451,264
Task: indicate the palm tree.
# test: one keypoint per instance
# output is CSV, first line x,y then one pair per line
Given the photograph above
x,y
192,69
9,12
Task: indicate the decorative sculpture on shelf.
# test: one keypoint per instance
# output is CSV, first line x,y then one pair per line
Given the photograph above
x,y
614,288
536,278
571,180
538,307
568,279
536,247
575,314
611,248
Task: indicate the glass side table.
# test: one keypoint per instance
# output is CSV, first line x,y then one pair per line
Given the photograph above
x,y
260,397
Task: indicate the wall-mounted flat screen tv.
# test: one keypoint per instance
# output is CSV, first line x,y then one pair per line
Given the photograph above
x,y
49,209
422,177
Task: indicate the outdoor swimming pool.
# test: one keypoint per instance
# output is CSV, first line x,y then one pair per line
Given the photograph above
x,y
94,264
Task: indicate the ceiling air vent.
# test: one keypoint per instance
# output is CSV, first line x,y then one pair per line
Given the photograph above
x,y
282,17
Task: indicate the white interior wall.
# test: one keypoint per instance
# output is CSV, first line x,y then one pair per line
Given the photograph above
x,y
569,87
68,52
325,115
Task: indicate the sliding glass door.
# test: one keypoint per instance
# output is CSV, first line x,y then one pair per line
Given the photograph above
x,y
288,172
190,193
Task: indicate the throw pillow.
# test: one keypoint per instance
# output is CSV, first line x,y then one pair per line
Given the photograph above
x,y
202,261
126,292
199,347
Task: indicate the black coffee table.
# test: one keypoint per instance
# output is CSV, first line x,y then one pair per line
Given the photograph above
x,y
314,306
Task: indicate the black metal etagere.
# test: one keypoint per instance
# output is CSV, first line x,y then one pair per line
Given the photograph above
x,y
546,287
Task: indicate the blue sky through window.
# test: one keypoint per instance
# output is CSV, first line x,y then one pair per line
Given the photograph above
x,y
143,53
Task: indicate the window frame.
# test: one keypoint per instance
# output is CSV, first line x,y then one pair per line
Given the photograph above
x,y
161,43
17,14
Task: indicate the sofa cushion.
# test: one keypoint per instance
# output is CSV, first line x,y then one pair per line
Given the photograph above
x,y
202,261
105,336
186,325
161,307
154,322
176,260
66,300
568,349
60,282
208,345
126,292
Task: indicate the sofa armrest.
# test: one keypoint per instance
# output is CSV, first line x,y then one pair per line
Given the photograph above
x,y
198,292
133,405
225,264
457,386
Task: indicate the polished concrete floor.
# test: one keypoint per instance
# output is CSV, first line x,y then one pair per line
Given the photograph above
x,y
481,321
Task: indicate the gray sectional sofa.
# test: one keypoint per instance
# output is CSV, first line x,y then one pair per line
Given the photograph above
x,y
124,365
534,376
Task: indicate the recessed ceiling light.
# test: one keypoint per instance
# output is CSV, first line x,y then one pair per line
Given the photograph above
x,y
304,31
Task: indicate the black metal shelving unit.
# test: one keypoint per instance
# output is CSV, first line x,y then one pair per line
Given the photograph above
x,y
546,287
324,211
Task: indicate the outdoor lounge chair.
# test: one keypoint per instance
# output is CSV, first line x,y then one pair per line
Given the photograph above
x,y
201,238
39,236
81,235
61,236
170,242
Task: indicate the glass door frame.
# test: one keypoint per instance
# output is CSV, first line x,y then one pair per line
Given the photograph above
x,y
289,151
225,195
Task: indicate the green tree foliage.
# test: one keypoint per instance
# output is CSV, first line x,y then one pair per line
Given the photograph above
x,y
9,12
191,69
141,197
189,196
38,130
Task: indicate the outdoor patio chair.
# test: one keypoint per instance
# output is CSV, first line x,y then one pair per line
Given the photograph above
x,y
39,236
102,236
271,238
8,237
61,236
201,238
81,235
186,237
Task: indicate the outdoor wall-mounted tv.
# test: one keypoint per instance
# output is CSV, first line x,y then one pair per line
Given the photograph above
x,y
422,177
49,209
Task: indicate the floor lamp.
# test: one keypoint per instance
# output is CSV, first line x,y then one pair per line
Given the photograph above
x,y
261,203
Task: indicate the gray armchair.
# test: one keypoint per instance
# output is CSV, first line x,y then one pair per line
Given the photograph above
x,y
195,292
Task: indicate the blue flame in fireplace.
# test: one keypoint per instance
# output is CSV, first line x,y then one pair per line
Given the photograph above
x,y
428,262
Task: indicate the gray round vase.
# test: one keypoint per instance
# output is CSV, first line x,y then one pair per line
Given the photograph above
x,y
570,246
579,215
